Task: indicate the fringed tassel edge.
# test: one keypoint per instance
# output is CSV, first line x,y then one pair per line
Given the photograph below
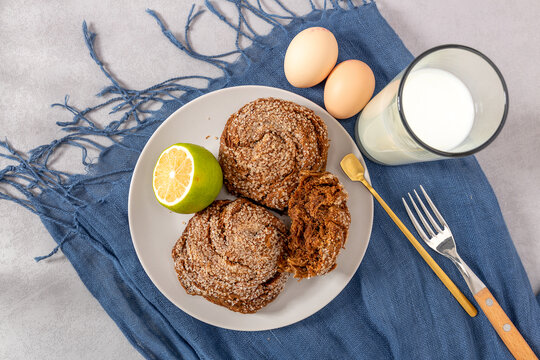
x,y
31,175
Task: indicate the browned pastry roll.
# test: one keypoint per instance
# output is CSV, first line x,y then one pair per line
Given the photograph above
x,y
320,224
266,144
229,253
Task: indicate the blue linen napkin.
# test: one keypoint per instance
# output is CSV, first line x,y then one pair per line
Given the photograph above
x,y
394,307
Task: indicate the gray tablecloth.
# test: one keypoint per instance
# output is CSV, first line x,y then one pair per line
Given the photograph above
x,y
45,311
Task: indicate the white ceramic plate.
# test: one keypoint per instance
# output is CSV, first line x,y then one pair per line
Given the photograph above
x,y
154,229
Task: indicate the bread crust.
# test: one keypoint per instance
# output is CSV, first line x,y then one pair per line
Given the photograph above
x,y
320,222
266,144
229,253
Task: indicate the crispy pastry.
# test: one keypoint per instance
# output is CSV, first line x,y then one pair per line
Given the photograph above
x,y
320,224
229,253
266,144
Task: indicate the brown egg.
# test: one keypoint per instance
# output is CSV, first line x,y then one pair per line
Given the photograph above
x,y
310,57
348,88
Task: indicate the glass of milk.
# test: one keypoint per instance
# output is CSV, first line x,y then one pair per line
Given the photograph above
x,y
451,101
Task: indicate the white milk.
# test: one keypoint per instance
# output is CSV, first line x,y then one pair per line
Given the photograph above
x,y
439,110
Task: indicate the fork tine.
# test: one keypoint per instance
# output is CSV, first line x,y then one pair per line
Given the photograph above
x,y
417,226
435,210
428,214
422,218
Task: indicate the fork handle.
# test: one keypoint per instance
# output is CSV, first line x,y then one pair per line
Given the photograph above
x,y
504,327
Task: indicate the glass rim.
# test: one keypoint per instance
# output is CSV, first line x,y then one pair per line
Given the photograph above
x,y
404,119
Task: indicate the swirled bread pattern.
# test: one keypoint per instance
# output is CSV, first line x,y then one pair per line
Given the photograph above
x,y
229,254
266,144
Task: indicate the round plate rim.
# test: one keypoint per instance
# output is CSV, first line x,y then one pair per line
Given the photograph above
x,y
313,106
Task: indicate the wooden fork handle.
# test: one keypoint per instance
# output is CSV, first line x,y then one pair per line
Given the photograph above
x,y
504,327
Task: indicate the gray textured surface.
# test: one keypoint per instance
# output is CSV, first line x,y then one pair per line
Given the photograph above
x,y
45,310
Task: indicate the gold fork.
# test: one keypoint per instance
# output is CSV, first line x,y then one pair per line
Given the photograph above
x,y
355,171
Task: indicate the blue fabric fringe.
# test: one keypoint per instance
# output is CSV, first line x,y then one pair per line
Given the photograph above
x,y
31,173
394,307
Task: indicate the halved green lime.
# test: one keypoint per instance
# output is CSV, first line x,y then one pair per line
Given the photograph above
x,y
186,178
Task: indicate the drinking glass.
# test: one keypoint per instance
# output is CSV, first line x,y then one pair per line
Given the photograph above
x,y
385,135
